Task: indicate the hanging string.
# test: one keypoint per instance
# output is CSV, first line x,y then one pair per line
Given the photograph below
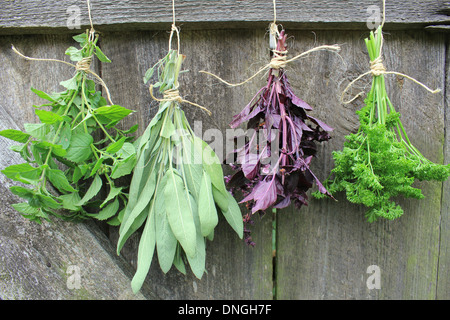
x,y
92,31
173,94
279,59
174,29
377,68
273,26
83,65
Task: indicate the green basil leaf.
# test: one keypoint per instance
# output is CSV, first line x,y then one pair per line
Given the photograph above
x,y
22,192
70,201
59,180
43,95
15,135
113,112
25,208
37,130
48,116
113,192
70,84
74,53
116,146
15,169
64,136
100,55
123,167
109,211
93,190
81,38
80,147
97,166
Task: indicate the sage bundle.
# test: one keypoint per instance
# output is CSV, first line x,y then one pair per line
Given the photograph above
x,y
76,149
177,187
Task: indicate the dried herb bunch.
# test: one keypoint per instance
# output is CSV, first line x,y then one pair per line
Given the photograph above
x,y
177,187
272,168
379,162
75,150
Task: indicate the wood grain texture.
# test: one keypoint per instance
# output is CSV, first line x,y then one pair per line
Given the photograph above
x,y
324,250
37,260
32,16
443,285
234,271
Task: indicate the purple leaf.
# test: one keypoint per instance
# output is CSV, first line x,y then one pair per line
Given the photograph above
x,y
265,195
323,125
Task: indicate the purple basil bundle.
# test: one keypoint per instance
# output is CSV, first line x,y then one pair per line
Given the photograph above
x,y
272,164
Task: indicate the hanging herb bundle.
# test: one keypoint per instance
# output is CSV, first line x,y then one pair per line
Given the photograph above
x,y
379,162
66,165
273,167
176,185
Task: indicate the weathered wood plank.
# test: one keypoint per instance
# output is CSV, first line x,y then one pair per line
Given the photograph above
x,y
31,16
39,261
324,250
234,271
443,280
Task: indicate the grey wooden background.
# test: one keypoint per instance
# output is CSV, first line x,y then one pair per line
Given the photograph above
x,y
319,252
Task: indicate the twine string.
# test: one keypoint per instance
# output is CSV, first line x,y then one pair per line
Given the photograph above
x,y
278,61
84,65
174,29
174,95
377,69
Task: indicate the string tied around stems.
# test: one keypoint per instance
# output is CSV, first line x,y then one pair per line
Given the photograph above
x,y
377,69
278,61
83,65
174,95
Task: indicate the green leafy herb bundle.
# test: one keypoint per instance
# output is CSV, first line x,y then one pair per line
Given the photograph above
x,y
75,150
177,186
379,162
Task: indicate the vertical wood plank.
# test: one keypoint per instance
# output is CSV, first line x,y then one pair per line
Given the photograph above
x,y
443,280
324,250
234,271
36,260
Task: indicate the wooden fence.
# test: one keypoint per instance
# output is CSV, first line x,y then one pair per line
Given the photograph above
x,y
322,251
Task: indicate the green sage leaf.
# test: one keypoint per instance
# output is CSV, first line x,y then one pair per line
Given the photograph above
x,y
179,212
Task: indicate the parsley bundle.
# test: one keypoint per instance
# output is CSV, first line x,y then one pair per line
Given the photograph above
x,y
72,153
176,185
272,169
379,162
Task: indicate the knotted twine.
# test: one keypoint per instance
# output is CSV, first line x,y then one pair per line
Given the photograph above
x,y
377,68
84,65
173,94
